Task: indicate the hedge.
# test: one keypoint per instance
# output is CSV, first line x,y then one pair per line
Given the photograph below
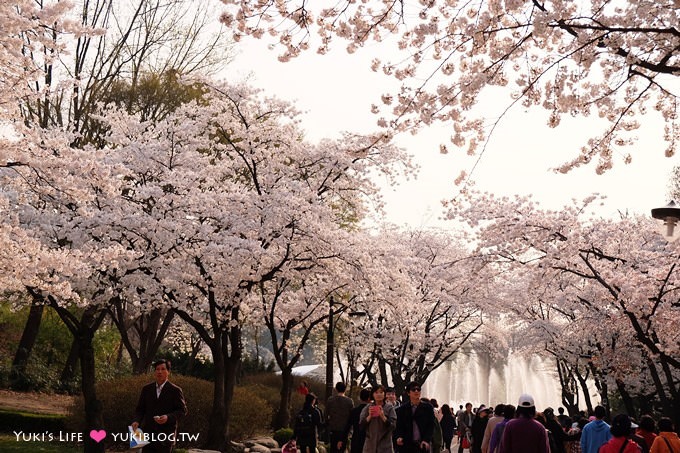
x,y
250,414
29,422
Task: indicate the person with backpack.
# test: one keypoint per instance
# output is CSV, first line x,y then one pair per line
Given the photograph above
x,y
620,443
307,423
448,425
338,408
647,431
667,441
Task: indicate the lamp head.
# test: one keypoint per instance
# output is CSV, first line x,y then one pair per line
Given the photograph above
x,y
669,221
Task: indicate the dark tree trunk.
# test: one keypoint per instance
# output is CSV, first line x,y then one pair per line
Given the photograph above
x,y
625,397
68,373
604,394
568,387
83,331
382,366
26,343
191,362
93,407
583,382
330,340
233,363
666,389
149,330
227,365
282,419
216,438
224,341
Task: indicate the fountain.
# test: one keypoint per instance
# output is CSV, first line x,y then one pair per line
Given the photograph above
x,y
478,379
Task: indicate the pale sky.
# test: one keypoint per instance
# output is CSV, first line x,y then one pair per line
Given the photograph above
x,y
335,92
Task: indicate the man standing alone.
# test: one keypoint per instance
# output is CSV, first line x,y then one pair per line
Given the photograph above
x,y
160,408
338,409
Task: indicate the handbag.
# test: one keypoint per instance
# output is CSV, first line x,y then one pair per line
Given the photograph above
x,y
466,441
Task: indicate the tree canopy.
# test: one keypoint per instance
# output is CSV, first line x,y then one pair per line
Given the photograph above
x,y
616,61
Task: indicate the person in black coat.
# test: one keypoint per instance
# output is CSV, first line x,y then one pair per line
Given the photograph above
x,y
477,429
160,407
422,414
448,424
354,423
555,428
307,424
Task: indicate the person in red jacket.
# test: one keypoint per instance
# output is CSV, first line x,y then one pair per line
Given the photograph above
x,y
620,443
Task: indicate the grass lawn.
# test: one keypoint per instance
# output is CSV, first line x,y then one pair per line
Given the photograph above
x,y
9,444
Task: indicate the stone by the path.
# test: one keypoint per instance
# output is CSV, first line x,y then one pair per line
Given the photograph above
x,y
256,448
264,441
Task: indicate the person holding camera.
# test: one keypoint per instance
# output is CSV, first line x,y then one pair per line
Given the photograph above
x,y
378,420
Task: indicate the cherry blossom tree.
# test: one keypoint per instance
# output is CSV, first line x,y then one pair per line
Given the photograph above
x,y
292,311
74,62
615,278
225,203
56,212
615,61
423,304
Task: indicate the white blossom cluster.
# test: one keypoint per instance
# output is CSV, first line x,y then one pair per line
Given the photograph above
x,y
612,61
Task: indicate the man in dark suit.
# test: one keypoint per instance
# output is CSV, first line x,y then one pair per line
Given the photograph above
x,y
161,405
415,423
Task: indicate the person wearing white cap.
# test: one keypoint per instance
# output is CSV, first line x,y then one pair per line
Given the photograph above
x,y
524,434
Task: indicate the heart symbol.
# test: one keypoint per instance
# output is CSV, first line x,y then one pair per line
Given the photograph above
x,y
98,436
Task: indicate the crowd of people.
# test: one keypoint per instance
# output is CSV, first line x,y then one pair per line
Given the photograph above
x,y
382,423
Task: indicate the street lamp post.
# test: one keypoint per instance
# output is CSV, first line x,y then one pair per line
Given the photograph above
x,y
330,336
330,342
669,221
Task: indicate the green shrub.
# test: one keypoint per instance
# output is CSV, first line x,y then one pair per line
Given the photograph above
x,y
119,398
39,376
250,413
283,435
52,347
271,390
267,388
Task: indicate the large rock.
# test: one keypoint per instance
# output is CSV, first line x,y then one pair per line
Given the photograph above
x,y
265,441
257,448
237,447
